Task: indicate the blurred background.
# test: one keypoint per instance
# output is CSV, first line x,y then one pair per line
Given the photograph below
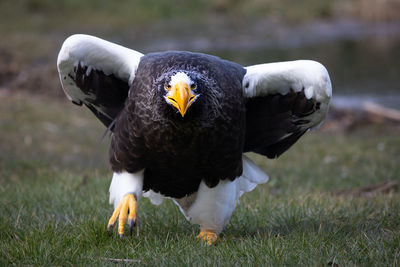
x,y
357,40
330,197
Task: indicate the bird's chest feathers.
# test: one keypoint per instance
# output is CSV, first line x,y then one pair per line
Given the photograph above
x,y
211,129
178,138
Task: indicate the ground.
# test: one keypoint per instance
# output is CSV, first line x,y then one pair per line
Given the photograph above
x,y
54,181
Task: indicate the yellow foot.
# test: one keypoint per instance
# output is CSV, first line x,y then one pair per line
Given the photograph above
x,y
207,236
126,209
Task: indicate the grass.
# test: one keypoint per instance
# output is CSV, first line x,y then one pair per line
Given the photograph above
x,y
54,206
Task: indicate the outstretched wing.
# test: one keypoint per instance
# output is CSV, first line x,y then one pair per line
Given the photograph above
x,y
284,100
97,73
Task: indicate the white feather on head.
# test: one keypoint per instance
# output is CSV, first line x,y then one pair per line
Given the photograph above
x,y
180,77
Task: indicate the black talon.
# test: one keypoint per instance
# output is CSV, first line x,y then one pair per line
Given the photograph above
x,y
109,228
132,223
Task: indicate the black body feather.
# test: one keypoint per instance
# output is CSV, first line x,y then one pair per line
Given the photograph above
x,y
207,144
176,152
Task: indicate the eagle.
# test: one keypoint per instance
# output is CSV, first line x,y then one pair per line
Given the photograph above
x,y
181,122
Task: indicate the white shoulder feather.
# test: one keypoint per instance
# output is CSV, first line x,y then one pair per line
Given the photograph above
x,y
281,77
96,54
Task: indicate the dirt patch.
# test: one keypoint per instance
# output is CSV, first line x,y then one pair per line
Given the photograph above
x,y
37,77
342,120
41,80
8,66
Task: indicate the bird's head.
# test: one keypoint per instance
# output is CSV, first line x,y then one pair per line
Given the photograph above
x,y
180,91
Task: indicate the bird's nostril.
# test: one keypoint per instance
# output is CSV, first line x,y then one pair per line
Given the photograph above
x,y
171,99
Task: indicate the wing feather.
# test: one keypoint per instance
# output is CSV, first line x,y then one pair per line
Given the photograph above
x,y
97,73
284,100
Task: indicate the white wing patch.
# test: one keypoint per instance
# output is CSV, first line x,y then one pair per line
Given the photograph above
x,y
281,77
96,54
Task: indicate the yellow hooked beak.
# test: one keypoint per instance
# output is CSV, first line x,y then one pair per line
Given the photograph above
x,y
181,97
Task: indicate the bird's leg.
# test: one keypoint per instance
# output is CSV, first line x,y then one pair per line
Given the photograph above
x,y
126,209
125,191
208,237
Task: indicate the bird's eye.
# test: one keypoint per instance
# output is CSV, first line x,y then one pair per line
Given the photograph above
x,y
193,86
167,86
